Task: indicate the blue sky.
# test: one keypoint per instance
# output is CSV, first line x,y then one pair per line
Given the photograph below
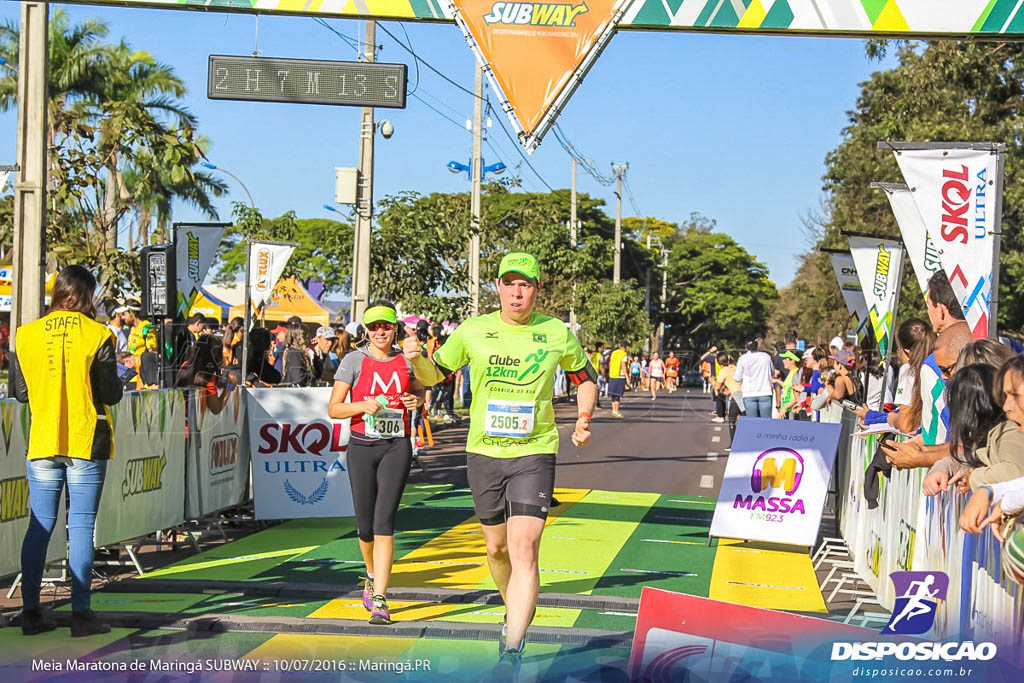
x,y
734,127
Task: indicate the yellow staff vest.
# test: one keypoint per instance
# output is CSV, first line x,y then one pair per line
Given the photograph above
x,y
55,354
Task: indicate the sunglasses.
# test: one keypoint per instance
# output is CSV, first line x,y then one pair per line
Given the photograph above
x,y
387,327
946,370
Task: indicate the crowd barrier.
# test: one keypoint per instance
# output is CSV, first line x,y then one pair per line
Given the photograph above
x,y
911,531
177,456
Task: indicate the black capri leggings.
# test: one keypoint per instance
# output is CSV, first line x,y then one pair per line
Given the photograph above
x,y
377,472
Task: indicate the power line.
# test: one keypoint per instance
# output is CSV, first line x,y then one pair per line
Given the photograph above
x,y
519,148
437,111
415,87
352,42
586,164
426,63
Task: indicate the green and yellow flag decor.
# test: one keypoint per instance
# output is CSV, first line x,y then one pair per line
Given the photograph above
x,y
905,18
879,265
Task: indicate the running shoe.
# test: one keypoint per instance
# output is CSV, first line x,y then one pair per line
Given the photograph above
x,y
381,614
718,419
367,594
616,414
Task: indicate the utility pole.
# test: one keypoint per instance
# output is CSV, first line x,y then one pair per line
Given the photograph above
x,y
474,240
619,170
30,191
364,198
573,239
664,293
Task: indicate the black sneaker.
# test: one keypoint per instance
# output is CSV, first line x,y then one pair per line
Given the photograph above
x,y
509,664
36,621
87,623
381,613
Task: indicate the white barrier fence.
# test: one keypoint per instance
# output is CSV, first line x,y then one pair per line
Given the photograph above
x,y
911,531
177,456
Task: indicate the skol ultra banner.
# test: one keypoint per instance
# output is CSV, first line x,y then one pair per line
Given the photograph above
x,y
849,285
267,261
298,455
955,193
195,246
879,264
775,481
921,249
538,52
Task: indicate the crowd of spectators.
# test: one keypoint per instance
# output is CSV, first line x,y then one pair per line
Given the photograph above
x,y
946,402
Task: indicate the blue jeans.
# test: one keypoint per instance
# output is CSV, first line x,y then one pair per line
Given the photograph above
x,y
46,479
758,406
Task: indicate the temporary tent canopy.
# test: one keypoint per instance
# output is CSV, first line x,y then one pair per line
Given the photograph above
x,y
291,298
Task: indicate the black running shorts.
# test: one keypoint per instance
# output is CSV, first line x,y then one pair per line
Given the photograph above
x,y
504,487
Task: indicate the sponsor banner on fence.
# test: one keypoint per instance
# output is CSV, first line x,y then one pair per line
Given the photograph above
x,y
879,265
955,193
14,507
776,480
194,249
719,641
298,455
266,263
849,285
145,486
921,249
218,455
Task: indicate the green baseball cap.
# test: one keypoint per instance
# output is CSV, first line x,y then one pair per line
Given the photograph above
x,y
520,262
378,314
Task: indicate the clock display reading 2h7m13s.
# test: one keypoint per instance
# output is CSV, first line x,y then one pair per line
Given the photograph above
x,y
308,81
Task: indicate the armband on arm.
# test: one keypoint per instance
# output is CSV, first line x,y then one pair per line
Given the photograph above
x,y
584,374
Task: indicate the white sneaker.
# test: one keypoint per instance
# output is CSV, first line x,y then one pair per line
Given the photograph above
x,y
718,419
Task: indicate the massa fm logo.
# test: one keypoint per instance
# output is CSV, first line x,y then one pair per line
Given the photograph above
x,y
534,14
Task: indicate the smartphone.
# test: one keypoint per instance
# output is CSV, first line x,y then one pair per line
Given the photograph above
x,y
850,405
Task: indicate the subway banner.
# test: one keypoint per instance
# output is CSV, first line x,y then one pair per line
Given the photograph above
x,y
879,265
14,506
195,246
849,285
145,485
218,451
955,193
298,455
775,481
921,249
267,261
537,53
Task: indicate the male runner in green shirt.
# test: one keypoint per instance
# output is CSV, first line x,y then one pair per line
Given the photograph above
x,y
512,441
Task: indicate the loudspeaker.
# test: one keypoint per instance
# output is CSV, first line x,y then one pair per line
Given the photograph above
x,y
159,282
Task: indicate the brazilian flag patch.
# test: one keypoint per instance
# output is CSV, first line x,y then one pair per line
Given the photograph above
x,y
540,338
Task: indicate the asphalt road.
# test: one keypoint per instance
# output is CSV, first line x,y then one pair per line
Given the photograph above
x,y
665,446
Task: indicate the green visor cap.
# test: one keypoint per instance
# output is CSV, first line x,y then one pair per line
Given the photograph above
x,y
791,356
378,314
518,262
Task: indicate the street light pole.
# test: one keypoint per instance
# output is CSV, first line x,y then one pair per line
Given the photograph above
x,y
30,191
364,199
619,170
574,238
474,239
214,167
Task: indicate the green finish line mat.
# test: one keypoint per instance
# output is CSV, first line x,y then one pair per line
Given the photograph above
x,y
596,543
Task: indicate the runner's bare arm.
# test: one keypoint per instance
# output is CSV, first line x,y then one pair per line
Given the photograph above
x,y
586,399
426,372
339,408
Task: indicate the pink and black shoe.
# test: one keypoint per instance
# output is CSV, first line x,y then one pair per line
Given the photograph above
x,y
381,613
367,595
